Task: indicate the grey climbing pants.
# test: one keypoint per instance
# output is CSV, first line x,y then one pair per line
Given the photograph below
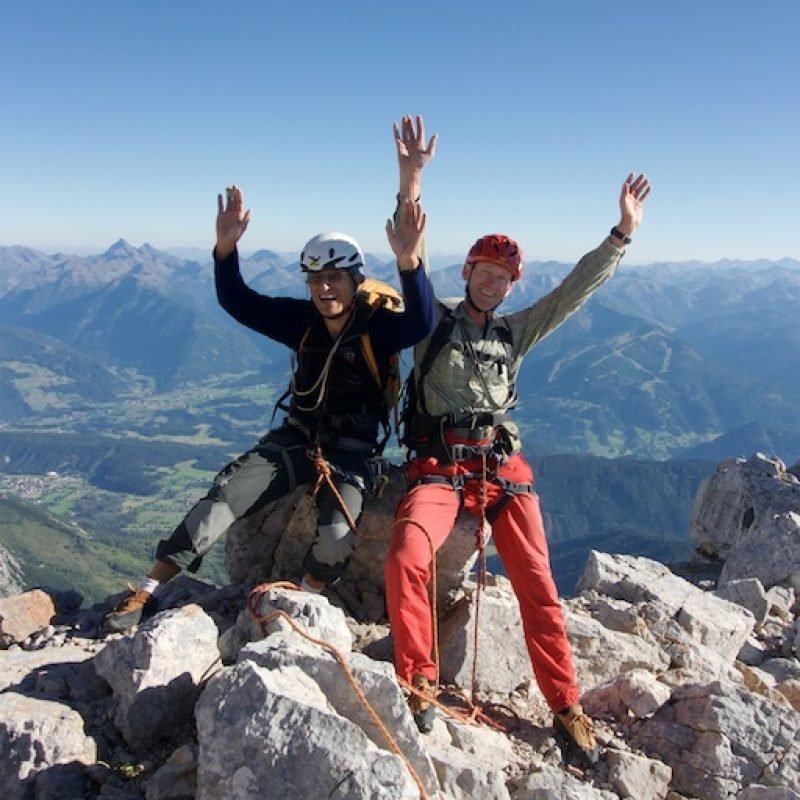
x,y
274,468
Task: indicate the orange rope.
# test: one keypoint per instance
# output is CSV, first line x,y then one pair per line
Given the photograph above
x,y
263,619
324,475
480,544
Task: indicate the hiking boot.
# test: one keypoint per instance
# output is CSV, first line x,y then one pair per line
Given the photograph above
x,y
422,709
129,612
575,728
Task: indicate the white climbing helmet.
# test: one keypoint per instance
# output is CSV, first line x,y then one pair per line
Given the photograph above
x,y
333,250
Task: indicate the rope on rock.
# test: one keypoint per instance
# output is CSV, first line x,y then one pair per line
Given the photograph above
x,y
263,620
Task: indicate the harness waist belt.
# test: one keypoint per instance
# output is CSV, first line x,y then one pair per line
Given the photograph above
x,y
332,440
464,452
479,435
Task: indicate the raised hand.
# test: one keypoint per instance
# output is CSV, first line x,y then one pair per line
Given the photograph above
x,y
631,202
412,152
412,155
405,234
232,221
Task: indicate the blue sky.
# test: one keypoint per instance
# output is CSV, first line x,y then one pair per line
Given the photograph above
x,y
124,119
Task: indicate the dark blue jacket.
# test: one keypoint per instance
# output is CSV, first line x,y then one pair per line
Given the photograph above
x,y
352,403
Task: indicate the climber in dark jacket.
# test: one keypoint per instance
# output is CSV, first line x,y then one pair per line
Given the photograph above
x,y
336,403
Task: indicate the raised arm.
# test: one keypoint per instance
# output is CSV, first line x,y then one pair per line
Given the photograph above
x,y
631,205
588,275
232,221
413,153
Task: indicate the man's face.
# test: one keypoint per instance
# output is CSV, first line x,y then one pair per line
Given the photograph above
x,y
332,291
488,284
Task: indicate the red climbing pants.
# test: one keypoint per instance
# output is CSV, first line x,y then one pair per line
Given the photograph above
x,y
518,534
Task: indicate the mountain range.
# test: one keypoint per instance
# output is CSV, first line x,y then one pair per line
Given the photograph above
x,y
664,360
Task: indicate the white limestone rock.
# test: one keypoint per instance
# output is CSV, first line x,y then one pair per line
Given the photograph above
x,y
601,654
753,652
636,693
156,674
470,760
489,748
17,665
503,661
552,783
36,736
637,776
664,646
781,669
758,792
271,545
251,543
462,779
770,552
738,495
781,601
713,622
375,680
313,613
719,738
749,594
273,733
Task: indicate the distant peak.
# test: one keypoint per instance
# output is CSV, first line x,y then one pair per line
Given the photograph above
x,y
264,255
119,249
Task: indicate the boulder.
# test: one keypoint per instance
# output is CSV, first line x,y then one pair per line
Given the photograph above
x,y
37,736
177,778
503,661
719,739
740,493
636,693
552,783
600,654
749,594
156,674
273,733
637,776
770,551
716,623
337,675
22,615
311,612
23,668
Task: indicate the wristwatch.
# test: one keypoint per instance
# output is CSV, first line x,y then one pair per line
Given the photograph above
x,y
615,231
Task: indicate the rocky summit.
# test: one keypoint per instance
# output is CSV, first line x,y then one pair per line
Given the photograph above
x,y
257,690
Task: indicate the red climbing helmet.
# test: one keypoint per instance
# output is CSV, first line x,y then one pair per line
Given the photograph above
x,y
498,249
